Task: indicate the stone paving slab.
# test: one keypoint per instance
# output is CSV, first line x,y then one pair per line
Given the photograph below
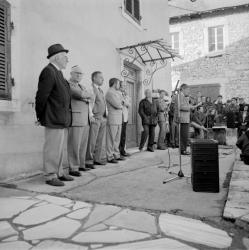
x,y
161,244
57,245
6,229
193,231
136,220
110,236
61,228
40,214
9,207
17,245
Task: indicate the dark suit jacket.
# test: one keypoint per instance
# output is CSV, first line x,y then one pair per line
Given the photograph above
x,y
149,112
52,102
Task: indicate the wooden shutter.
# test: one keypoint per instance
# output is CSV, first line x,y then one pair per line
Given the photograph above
x,y
5,32
137,9
128,6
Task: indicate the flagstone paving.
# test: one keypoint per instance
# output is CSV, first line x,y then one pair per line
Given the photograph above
x,y
237,204
85,226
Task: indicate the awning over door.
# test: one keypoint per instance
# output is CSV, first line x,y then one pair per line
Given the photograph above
x,y
154,55
150,51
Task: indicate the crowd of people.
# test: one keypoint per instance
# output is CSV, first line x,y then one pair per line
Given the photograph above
x,y
93,124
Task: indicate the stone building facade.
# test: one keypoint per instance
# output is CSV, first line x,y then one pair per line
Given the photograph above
x,y
224,71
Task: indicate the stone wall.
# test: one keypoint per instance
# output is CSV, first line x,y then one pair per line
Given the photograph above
x,y
229,68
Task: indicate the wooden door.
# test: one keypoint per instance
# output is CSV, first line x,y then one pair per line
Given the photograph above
x,y
131,84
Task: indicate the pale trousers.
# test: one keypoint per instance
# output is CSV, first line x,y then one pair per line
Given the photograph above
x,y
113,135
77,146
96,148
53,152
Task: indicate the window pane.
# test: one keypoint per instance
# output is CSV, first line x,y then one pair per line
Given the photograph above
x,y
128,5
136,10
211,47
220,41
211,36
175,41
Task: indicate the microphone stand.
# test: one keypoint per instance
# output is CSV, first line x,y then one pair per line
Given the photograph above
x,y
180,174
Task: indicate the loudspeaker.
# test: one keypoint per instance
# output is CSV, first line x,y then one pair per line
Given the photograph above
x,y
205,165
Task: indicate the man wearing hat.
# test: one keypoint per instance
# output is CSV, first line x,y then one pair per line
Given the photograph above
x,y
78,133
54,113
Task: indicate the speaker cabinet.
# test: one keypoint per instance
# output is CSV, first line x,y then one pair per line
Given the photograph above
x,y
205,165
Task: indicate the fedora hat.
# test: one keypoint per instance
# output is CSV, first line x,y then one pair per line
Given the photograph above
x,y
55,49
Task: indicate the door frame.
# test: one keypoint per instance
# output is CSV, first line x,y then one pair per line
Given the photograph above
x,y
138,95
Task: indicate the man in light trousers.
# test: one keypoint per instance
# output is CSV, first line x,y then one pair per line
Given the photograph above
x,y
78,132
114,101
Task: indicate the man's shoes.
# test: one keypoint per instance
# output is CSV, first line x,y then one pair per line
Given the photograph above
x,y
84,169
90,166
162,148
185,153
150,149
55,182
113,161
125,154
99,163
74,173
65,178
121,158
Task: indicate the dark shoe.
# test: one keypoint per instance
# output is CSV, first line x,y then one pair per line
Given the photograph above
x,y
185,153
99,163
74,173
66,178
150,149
90,166
84,169
55,182
125,154
161,148
113,161
121,158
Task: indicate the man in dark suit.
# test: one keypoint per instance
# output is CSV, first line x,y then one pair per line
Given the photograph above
x,y
54,113
148,111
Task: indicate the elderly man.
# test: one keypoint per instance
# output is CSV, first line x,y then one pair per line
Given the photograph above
x,y
53,112
148,111
78,133
114,101
184,116
97,135
162,120
122,145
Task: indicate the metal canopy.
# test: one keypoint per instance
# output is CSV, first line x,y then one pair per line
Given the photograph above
x,y
153,54
151,51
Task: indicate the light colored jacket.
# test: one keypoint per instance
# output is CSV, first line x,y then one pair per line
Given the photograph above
x,y
163,110
80,104
184,109
99,103
126,106
114,102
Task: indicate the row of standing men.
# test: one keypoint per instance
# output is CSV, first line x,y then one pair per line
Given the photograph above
x,y
92,124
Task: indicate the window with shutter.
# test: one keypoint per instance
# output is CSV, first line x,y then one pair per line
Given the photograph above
x,y
5,77
215,38
132,7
